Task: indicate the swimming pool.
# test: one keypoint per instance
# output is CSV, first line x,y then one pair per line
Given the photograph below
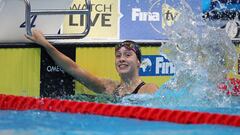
x,y
94,118
49,123
35,116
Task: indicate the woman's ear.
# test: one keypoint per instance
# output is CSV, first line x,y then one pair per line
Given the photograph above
x,y
139,64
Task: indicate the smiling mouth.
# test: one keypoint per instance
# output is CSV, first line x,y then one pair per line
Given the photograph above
x,y
122,66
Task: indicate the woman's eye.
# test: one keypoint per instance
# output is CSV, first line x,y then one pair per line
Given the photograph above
x,y
128,54
118,55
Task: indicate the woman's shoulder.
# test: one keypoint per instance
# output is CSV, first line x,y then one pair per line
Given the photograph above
x,y
110,85
149,88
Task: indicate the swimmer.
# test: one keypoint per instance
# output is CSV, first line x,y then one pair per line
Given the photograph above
x,y
127,64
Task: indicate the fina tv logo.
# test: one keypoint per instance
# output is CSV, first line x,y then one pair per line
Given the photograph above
x,y
156,65
167,15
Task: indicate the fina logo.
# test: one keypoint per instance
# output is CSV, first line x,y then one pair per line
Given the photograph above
x,y
156,65
146,65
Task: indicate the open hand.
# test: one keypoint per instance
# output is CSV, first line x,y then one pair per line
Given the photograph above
x,y
37,37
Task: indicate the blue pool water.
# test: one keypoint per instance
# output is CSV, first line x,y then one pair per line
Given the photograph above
x,y
49,123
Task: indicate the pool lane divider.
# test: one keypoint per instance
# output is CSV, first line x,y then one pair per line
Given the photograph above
x,y
20,103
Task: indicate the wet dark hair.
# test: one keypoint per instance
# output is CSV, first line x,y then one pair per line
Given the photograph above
x,y
131,45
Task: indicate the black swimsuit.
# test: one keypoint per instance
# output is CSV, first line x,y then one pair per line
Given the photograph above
x,y
134,92
138,88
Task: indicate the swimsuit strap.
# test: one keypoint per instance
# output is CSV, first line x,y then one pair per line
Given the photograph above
x,y
115,93
138,87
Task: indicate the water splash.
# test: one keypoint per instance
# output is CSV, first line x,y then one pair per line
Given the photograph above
x,y
198,48
203,56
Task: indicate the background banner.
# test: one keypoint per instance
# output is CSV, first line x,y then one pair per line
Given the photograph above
x,y
115,20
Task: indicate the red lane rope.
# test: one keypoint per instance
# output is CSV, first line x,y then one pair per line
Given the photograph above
x,y
9,102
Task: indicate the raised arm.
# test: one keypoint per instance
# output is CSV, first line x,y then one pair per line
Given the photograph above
x,y
89,80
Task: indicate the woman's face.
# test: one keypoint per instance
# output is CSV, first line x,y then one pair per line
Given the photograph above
x,y
126,61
